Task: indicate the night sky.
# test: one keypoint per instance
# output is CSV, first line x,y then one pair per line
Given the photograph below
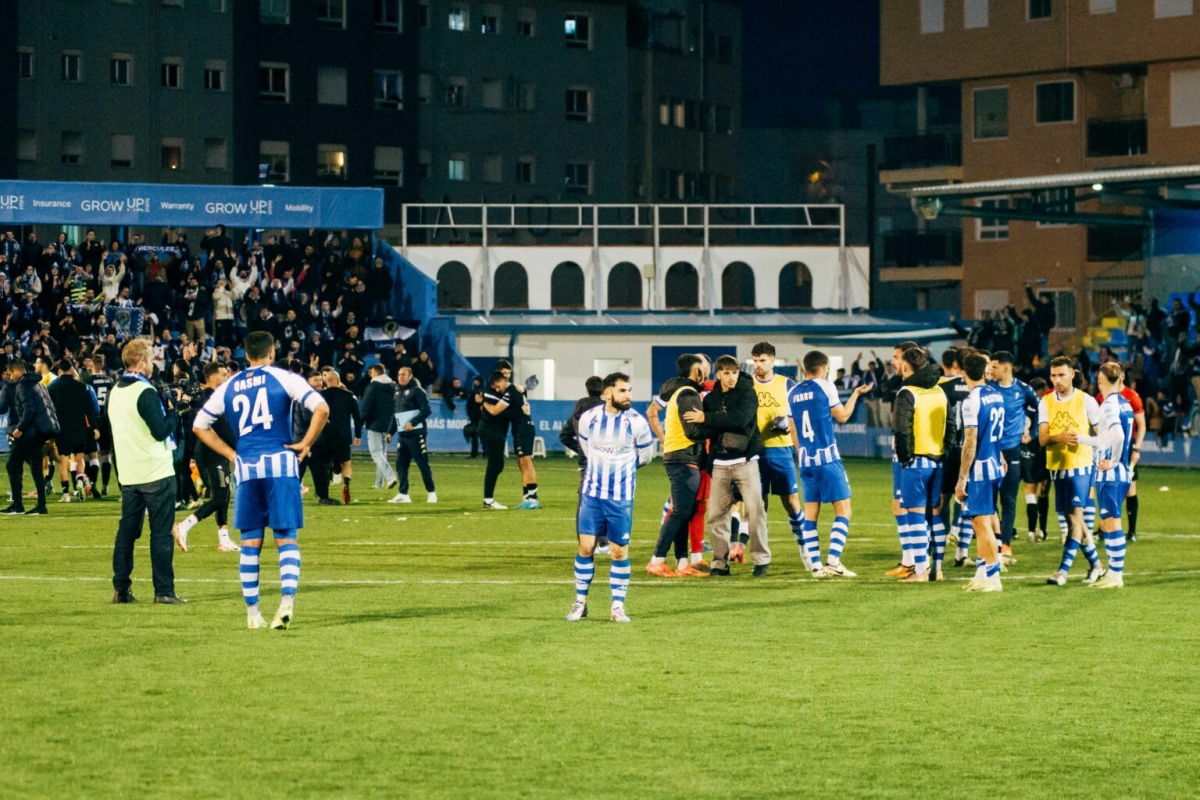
x,y
799,52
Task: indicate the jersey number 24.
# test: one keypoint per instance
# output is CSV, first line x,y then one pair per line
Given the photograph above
x,y
256,414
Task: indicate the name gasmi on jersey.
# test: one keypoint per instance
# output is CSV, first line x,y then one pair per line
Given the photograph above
x,y
249,383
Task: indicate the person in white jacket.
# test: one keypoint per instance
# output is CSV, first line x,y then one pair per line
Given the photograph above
x,y
111,281
222,299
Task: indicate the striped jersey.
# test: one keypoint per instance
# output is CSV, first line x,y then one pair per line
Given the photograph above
x,y
1117,420
984,411
811,403
615,446
1018,398
257,403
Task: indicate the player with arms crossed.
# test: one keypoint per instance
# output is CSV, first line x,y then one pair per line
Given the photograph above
x,y
982,470
616,442
815,406
1115,441
257,402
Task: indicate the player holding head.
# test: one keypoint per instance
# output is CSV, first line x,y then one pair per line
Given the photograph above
x,y
1114,440
1063,416
214,470
258,405
982,469
523,436
616,441
815,405
777,467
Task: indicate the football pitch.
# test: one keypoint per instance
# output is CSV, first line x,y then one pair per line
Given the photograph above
x,y
429,658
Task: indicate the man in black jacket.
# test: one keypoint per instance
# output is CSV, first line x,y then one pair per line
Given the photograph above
x,y
214,469
411,405
376,409
730,422
345,424
497,411
77,414
32,423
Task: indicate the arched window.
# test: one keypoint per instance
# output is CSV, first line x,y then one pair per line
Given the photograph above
x,y
454,286
795,286
510,286
566,286
737,286
683,286
625,286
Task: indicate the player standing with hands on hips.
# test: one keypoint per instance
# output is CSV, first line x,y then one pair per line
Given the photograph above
x,y
258,404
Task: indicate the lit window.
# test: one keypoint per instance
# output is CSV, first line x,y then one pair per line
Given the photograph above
x,y
457,19
457,167
331,163
578,31
171,153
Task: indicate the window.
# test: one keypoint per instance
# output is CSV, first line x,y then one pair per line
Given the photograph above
x,y
214,76
1040,9
567,287
273,162
975,14
389,166
122,151
389,90
578,31
1102,6
577,178
670,184
457,18
121,69
72,66
331,13
171,153
216,154
273,84
331,163
664,111
457,167
171,73
991,228
331,86
525,170
26,146
423,14
933,16
424,165
1185,98
677,112
1172,8
1059,201
579,105
991,112
526,22
25,63
456,92
722,119
492,95
492,168
489,21
72,147
1055,102
424,88
524,96
691,115
274,12
219,6
389,16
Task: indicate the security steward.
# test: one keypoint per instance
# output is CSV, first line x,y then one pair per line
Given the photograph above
x,y
411,446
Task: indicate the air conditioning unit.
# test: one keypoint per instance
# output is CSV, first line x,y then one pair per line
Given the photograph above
x,y
1125,80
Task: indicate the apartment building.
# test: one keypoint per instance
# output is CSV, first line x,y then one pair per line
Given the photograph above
x,y
1049,87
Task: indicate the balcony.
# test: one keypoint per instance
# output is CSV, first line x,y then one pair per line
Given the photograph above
x,y
921,158
912,256
1109,138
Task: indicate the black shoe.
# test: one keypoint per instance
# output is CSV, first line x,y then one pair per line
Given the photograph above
x,y
168,600
760,570
36,511
14,509
719,572
328,501
1131,537
120,598
960,562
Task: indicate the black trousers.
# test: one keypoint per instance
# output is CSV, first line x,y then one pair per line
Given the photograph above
x,y
157,499
1010,488
412,448
493,449
27,450
685,485
217,480
321,470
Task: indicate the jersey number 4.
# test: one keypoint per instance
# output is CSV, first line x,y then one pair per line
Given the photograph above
x,y
258,414
806,429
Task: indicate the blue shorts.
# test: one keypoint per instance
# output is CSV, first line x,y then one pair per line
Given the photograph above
x,y
981,497
920,487
1072,491
1111,495
777,469
826,483
896,479
268,503
606,518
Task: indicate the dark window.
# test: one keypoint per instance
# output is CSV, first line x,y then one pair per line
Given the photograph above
x,y
388,15
1056,102
579,105
1041,9
566,286
454,286
510,286
795,286
683,286
625,286
737,286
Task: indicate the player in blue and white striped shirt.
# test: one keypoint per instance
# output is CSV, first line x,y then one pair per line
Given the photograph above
x,y
982,470
257,402
616,441
1113,442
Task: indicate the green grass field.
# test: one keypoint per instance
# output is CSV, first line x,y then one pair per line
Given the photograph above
x,y
429,659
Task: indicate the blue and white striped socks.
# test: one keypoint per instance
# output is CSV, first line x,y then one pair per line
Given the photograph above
x,y
1068,556
1114,546
939,540
1089,552
585,570
248,568
915,541
837,539
811,542
289,568
1089,516
906,554
618,580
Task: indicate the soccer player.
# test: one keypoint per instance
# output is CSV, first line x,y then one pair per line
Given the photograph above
x,y
1033,470
523,435
919,428
1019,399
616,441
570,440
1139,433
497,412
956,389
1063,416
214,471
78,416
815,405
896,383
101,383
343,431
258,405
982,469
1114,440
777,467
